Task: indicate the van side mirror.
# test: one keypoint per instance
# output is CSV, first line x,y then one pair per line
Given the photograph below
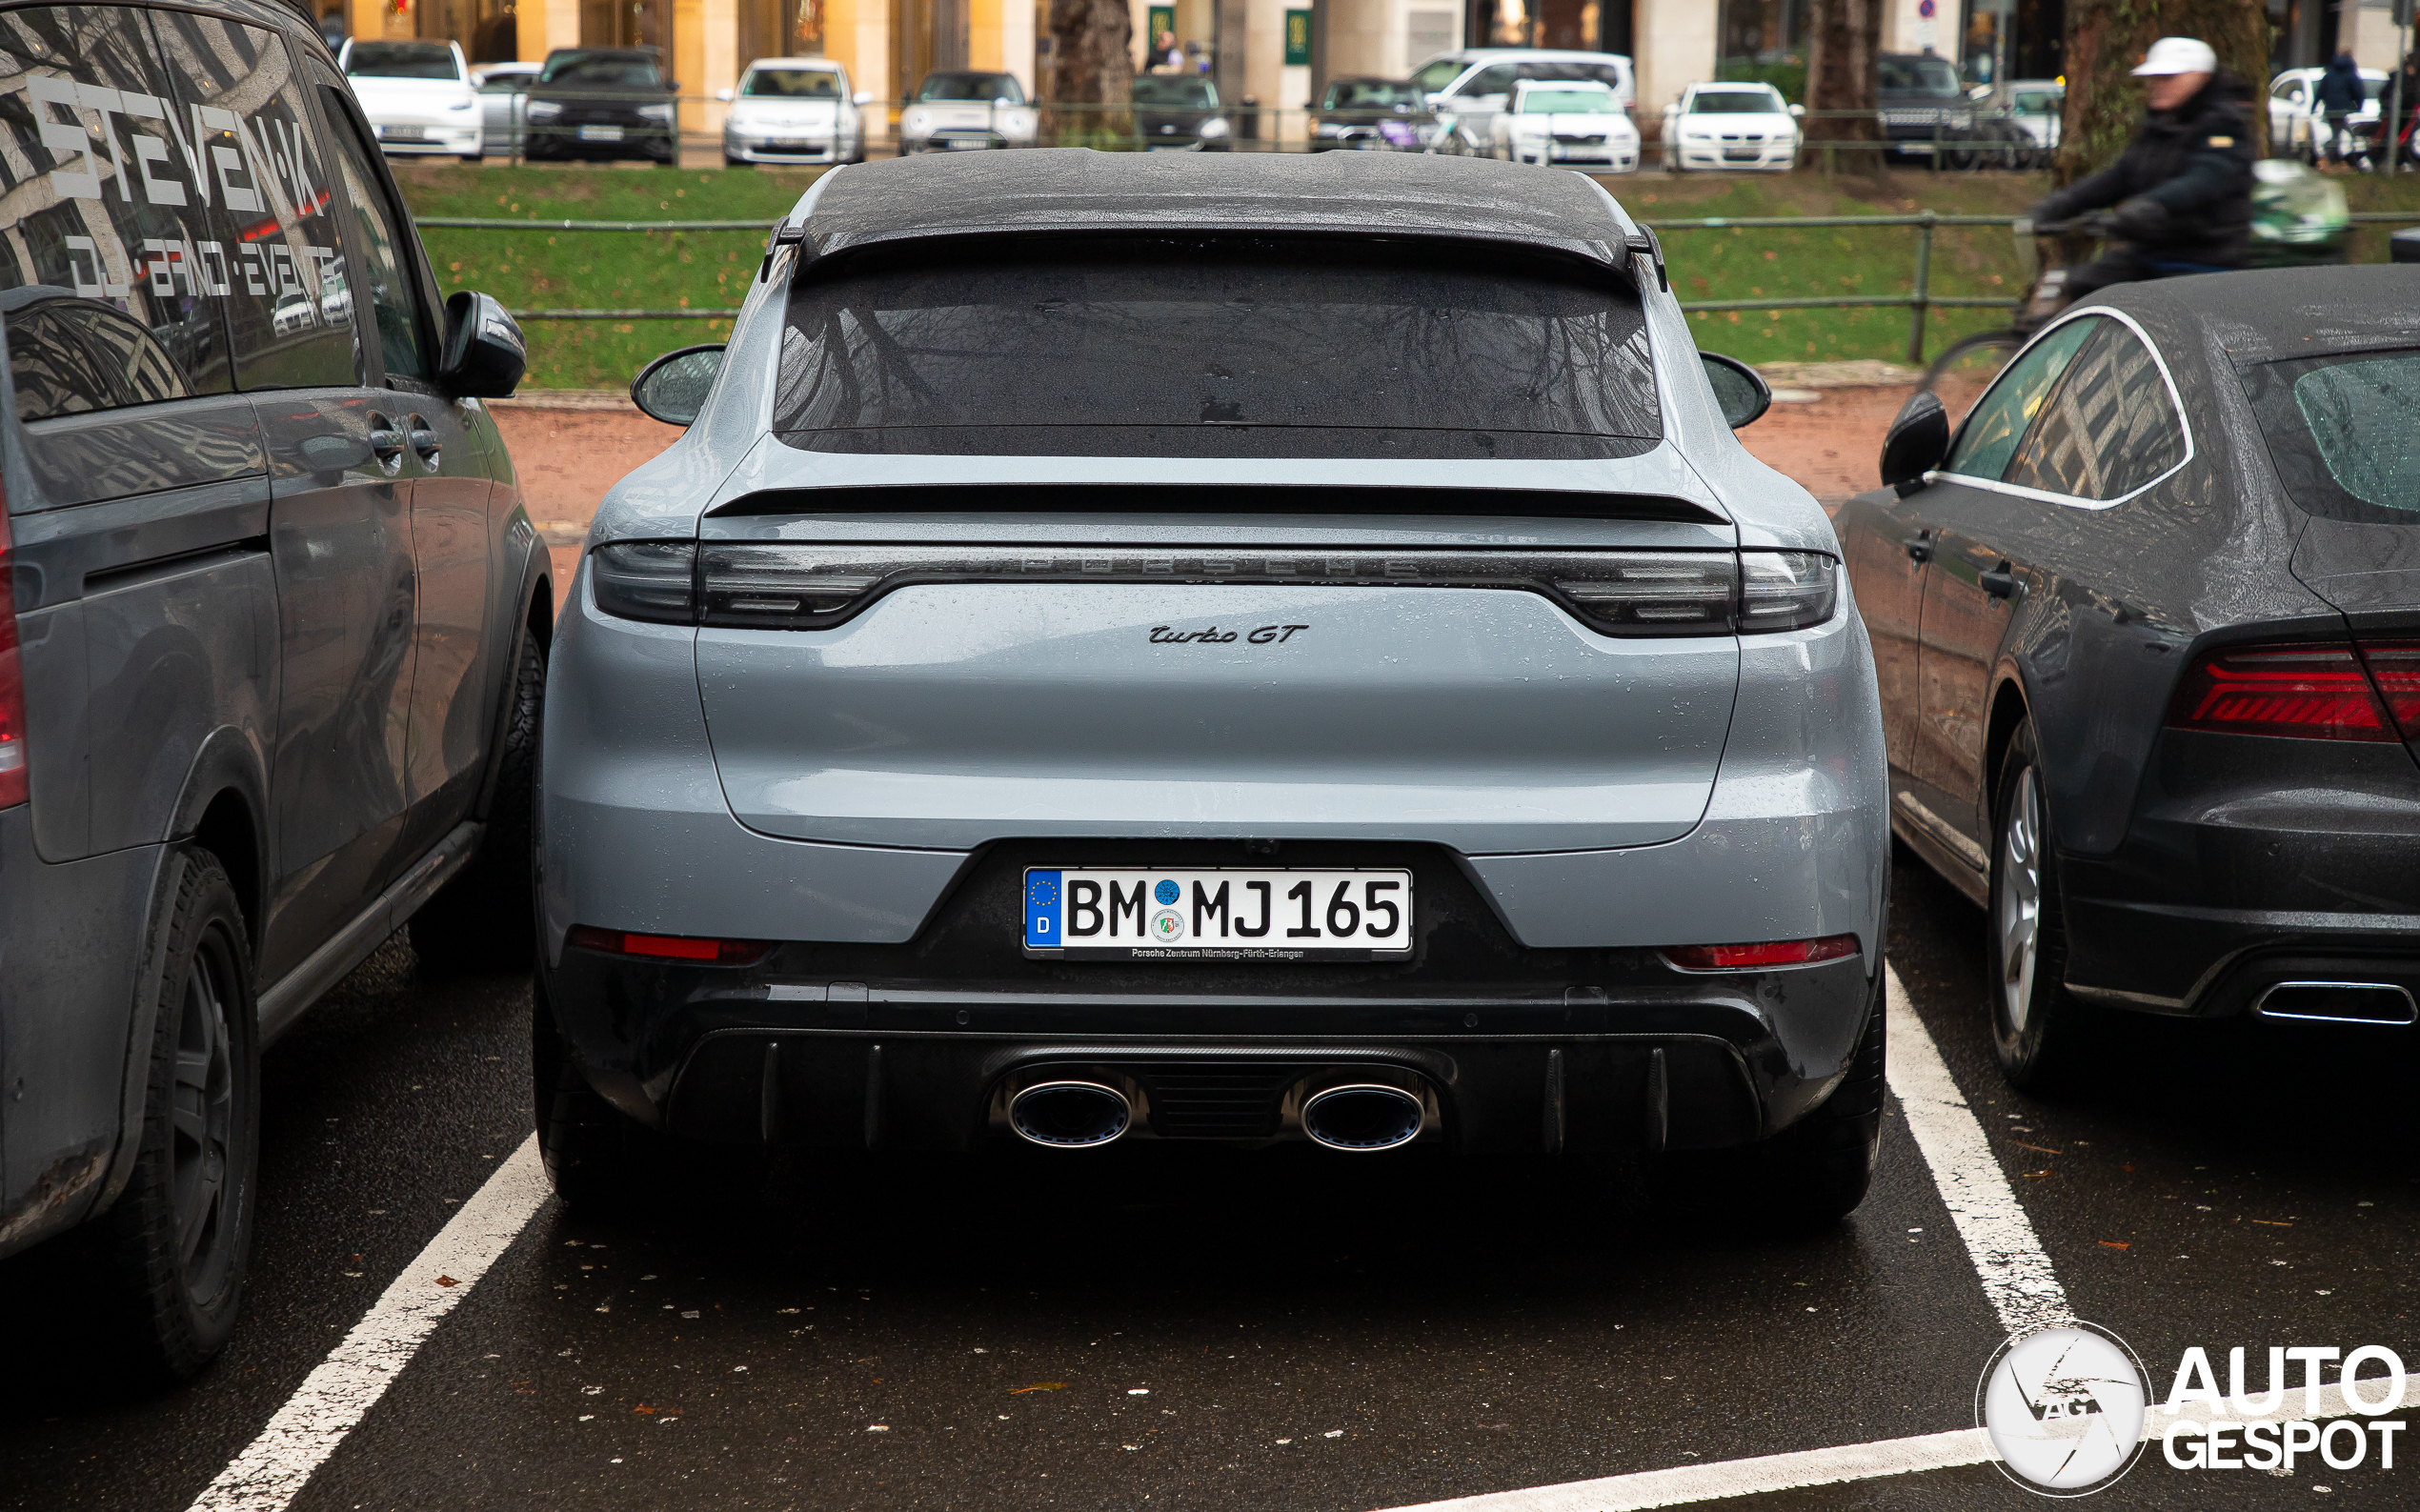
x,y
1916,443
724,96
484,354
862,97
1798,112
1740,391
673,387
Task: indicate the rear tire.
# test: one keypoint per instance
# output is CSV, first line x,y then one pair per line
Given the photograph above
x,y
2007,342
1816,1172
2038,1030
485,920
176,1248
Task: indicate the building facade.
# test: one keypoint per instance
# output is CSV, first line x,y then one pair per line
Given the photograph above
x,y
1272,52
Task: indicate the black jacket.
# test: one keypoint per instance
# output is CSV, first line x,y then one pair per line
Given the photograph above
x,y
2195,164
2340,88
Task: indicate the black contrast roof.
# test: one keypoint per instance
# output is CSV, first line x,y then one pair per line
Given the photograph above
x,y
1076,190
2276,314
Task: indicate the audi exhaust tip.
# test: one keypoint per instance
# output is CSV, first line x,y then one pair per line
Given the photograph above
x,y
1362,1118
1070,1114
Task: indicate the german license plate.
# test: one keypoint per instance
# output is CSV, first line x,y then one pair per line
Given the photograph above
x,y
600,133
401,133
1275,914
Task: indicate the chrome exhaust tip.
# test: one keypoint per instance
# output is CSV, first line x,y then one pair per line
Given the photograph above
x,y
1070,1114
2338,1002
1362,1117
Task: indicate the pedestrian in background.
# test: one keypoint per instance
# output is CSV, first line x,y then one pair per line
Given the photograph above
x,y
2340,98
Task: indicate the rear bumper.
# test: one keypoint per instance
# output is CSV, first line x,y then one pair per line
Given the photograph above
x,y
2212,899
770,1055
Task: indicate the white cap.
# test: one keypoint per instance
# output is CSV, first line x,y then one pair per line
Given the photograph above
x,y
2177,56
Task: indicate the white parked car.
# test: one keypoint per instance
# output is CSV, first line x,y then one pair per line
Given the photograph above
x,y
2035,107
417,95
504,102
1468,87
794,111
2298,128
1566,126
963,108
1745,125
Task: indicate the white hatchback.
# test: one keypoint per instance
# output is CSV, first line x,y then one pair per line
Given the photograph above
x,y
792,110
1740,126
1562,124
419,96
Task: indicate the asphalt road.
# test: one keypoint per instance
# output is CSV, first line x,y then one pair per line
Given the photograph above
x,y
1277,1330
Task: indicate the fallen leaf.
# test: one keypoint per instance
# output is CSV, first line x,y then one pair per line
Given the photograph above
x,y
447,1280
2111,1243
2273,1222
1045,1385
2035,1148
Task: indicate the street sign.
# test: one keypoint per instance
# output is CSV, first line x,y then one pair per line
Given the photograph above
x,y
1297,39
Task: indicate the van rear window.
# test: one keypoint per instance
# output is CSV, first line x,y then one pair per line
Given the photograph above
x,y
1195,346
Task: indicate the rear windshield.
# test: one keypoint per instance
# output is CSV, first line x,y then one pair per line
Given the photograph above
x,y
2345,433
1568,102
1734,102
1233,348
401,60
1359,95
1919,76
791,84
1180,94
602,72
972,86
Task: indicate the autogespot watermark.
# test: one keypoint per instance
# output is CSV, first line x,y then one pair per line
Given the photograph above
x,y
2066,1406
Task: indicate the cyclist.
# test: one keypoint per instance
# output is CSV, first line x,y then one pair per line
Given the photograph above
x,y
2183,188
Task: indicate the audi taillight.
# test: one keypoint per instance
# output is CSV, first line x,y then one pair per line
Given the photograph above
x,y
670,947
12,758
2394,668
2310,691
1762,954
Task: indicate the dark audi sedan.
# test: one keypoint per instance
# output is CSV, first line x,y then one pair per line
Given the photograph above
x,y
1175,111
2147,631
1383,115
604,103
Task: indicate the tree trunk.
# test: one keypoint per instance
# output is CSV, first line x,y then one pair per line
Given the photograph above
x,y
2104,42
1841,75
1092,41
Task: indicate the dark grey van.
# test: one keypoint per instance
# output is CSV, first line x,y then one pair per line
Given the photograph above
x,y
272,619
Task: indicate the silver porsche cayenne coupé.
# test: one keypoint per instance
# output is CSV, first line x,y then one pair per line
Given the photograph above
x,y
1254,649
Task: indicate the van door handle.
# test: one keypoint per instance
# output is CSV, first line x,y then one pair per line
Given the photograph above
x,y
1919,547
2000,584
424,443
386,444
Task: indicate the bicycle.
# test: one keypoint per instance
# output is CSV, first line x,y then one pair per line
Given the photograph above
x,y
2044,296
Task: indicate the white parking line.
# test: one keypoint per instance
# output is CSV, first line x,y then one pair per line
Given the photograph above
x,y
357,1372
2000,1241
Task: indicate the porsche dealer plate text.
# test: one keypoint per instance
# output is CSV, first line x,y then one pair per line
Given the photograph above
x,y
1274,913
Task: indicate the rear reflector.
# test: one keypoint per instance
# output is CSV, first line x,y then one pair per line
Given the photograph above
x,y
1767,953
670,947
2313,691
13,778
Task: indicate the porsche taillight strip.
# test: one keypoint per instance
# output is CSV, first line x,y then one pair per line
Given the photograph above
x,y
782,586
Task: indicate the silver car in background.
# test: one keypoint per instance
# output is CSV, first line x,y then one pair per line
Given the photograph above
x,y
794,111
504,103
1254,649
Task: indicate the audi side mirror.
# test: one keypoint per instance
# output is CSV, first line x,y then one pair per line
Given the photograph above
x,y
673,387
1798,112
1916,442
1740,391
484,354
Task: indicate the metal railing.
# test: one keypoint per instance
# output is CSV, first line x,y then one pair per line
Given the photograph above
x,y
1919,300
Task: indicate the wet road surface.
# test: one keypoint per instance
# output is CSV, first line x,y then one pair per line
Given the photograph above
x,y
1282,1329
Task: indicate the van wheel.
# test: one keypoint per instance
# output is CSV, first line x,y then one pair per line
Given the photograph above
x,y
2037,1028
1814,1173
484,919
176,1247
